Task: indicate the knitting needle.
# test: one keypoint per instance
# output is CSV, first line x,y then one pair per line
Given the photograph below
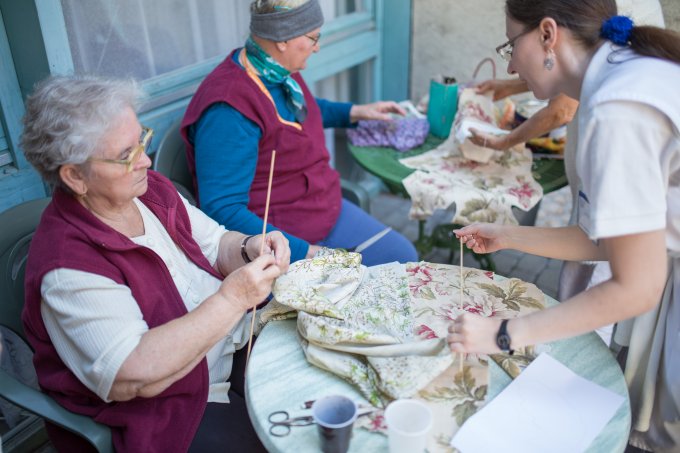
x,y
460,241
264,232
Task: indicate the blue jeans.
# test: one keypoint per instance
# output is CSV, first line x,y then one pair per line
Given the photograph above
x,y
354,226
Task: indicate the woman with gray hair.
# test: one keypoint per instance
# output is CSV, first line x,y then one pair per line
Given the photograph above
x,y
254,102
137,304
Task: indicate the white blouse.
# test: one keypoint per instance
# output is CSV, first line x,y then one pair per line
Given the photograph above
x,y
95,323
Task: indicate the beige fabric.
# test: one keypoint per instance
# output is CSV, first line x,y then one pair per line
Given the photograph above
x,y
481,192
384,330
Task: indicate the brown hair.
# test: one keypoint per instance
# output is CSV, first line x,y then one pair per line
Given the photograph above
x,y
584,19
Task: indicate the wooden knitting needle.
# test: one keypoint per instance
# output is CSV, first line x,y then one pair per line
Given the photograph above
x,y
460,241
264,232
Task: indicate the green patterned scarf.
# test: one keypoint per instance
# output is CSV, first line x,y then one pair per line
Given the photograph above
x,y
271,71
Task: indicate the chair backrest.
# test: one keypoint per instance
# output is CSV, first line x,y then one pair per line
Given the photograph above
x,y
171,160
18,224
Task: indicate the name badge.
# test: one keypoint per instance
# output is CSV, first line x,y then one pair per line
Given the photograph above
x,y
583,212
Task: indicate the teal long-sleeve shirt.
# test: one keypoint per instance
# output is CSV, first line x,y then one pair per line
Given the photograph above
x,y
226,147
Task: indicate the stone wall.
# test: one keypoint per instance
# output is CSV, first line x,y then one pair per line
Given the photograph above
x,y
451,37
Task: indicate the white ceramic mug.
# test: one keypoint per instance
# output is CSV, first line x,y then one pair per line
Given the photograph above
x,y
408,426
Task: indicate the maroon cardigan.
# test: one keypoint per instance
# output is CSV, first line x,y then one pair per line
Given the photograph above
x,y
306,196
69,236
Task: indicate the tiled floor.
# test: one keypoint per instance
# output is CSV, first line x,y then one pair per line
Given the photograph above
x,y
554,211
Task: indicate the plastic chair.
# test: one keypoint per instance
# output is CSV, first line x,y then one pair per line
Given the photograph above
x,y
171,160
18,224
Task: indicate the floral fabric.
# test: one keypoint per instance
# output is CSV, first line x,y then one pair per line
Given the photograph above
x,y
481,192
384,329
483,183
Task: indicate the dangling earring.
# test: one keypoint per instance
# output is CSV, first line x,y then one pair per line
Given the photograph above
x,y
549,61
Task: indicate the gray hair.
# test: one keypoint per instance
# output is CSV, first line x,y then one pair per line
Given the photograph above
x,y
274,6
67,117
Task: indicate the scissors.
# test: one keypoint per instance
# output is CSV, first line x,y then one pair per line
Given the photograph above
x,y
281,423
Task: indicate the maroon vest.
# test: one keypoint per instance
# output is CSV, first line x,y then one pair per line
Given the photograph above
x,y
305,198
69,236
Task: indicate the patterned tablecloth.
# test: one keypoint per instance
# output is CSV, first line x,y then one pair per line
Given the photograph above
x,y
383,330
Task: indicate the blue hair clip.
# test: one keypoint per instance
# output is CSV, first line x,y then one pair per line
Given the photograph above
x,y
617,29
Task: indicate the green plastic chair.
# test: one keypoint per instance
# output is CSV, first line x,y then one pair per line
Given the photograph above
x,y
171,160
18,224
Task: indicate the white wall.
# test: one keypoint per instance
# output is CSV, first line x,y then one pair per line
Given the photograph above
x,y
451,36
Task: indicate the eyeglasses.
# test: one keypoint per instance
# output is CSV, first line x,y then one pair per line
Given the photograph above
x,y
505,49
135,154
316,39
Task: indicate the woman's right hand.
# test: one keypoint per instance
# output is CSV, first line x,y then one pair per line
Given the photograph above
x,y
251,284
483,237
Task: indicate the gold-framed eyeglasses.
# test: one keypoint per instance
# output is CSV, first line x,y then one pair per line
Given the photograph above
x,y
315,39
505,49
135,154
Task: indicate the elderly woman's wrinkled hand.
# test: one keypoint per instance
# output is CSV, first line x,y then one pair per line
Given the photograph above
x,y
275,242
380,110
251,284
470,333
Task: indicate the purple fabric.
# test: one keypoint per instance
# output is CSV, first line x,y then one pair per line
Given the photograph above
x,y
401,134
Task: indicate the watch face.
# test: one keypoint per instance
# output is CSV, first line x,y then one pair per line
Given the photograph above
x,y
503,342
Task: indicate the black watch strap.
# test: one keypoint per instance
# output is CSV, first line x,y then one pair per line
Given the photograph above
x,y
244,254
503,338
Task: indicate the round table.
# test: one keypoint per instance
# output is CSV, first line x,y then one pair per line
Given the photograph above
x,y
280,378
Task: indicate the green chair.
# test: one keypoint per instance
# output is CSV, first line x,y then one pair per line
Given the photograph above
x,y
171,160
18,224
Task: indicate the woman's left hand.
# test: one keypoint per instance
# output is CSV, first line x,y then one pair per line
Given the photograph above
x,y
376,111
274,241
470,333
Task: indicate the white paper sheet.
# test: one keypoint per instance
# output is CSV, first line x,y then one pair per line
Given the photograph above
x,y
546,408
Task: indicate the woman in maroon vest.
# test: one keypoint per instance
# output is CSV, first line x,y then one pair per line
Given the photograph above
x,y
254,102
136,302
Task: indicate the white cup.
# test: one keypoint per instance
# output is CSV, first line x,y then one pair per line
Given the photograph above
x,y
408,426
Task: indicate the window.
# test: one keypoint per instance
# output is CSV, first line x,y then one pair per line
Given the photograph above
x,y
148,38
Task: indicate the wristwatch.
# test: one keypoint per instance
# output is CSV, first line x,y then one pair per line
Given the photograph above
x,y
503,339
244,253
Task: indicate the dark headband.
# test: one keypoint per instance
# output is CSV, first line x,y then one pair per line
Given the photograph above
x,y
285,25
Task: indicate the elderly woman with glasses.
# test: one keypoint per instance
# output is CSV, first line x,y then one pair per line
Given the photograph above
x,y
136,302
255,102
628,178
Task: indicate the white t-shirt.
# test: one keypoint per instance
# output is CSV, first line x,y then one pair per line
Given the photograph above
x,y
95,323
628,159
